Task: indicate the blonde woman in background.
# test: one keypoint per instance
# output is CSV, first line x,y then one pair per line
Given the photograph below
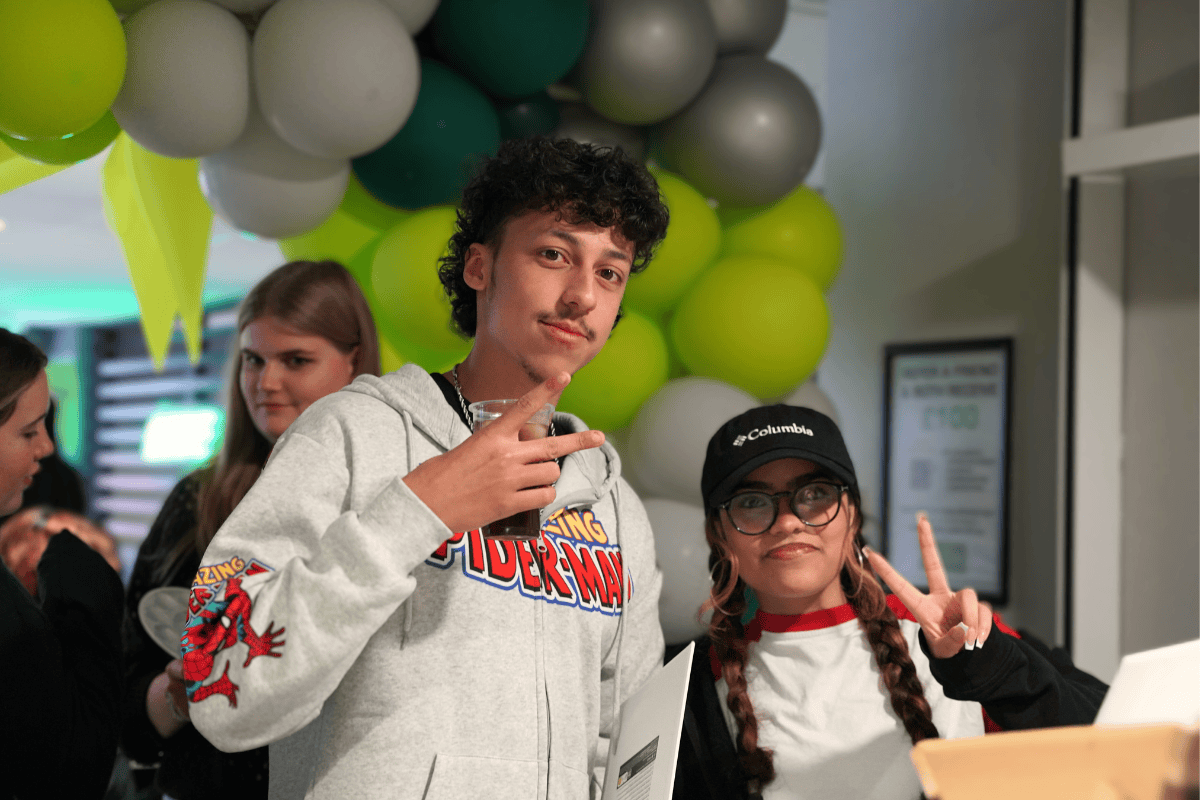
x,y
304,331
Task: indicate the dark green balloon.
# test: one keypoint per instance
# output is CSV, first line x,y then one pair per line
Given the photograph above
x,y
451,128
512,48
535,115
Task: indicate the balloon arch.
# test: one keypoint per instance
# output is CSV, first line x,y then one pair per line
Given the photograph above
x,y
346,129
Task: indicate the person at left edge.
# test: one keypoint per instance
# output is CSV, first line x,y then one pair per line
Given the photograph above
x,y
420,661
60,653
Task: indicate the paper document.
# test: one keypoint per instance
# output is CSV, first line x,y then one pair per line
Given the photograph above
x,y
1155,686
642,755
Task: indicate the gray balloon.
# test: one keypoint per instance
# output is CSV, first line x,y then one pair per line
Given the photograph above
x,y
747,26
750,137
578,122
646,59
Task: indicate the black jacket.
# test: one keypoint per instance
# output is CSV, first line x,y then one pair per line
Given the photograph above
x,y
60,676
1021,684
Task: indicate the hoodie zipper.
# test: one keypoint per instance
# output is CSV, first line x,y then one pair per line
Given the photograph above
x,y
542,688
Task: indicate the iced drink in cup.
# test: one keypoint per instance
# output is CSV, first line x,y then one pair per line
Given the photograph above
x,y
523,524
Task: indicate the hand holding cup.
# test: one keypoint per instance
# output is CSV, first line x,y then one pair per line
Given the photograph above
x,y
494,473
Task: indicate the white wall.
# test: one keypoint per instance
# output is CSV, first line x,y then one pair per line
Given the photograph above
x,y
1160,508
943,123
803,47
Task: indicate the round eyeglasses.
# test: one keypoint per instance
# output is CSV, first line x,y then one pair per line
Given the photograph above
x,y
815,504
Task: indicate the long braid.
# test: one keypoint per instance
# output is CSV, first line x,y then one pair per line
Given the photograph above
x,y
728,603
890,648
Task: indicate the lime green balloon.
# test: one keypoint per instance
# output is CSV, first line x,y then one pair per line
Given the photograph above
x,y
61,65
394,349
404,277
129,6
359,203
610,389
390,359
360,265
693,238
337,238
754,322
800,229
70,149
431,360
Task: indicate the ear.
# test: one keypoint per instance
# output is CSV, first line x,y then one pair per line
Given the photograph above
x,y
478,266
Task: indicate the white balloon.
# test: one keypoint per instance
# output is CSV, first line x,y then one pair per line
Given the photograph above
x,y
187,79
669,436
335,78
414,14
810,395
683,558
263,185
244,6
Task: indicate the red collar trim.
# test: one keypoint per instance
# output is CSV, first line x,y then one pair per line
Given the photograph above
x,y
788,623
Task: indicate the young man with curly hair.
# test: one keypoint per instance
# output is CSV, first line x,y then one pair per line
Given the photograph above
x,y
405,655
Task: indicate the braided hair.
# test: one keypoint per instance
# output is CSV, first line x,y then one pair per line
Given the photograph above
x,y
727,601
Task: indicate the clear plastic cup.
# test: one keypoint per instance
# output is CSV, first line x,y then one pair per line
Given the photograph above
x,y
523,524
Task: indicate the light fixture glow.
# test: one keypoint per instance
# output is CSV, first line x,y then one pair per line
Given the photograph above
x,y
182,434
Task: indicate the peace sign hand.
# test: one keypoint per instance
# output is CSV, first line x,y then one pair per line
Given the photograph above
x,y
951,620
494,473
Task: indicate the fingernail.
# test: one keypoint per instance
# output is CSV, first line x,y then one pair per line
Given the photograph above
x,y
867,550
979,643
921,515
970,645
964,627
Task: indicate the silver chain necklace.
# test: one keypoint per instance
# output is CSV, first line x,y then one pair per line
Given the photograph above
x,y
462,401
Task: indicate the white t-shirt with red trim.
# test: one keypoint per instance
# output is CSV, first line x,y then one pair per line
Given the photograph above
x,y
825,713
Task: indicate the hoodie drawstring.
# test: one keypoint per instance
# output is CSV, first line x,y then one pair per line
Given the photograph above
x,y
409,436
624,604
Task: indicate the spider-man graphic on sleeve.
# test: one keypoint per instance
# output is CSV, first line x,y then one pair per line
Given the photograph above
x,y
214,625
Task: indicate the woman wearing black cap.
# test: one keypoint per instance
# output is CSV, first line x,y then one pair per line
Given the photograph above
x,y
811,681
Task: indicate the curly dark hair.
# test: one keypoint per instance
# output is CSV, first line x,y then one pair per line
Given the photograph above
x,y
581,182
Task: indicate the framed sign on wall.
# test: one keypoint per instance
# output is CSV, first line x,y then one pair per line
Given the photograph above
x,y
947,416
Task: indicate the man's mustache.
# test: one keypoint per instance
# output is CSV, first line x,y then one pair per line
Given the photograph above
x,y
577,325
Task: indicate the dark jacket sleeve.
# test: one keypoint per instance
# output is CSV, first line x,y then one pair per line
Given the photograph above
x,y
708,767
61,674
144,659
1020,682
189,767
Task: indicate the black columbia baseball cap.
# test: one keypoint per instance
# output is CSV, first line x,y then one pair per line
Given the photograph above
x,y
768,433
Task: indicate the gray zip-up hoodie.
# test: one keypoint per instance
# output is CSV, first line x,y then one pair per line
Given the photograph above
x,y
382,655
